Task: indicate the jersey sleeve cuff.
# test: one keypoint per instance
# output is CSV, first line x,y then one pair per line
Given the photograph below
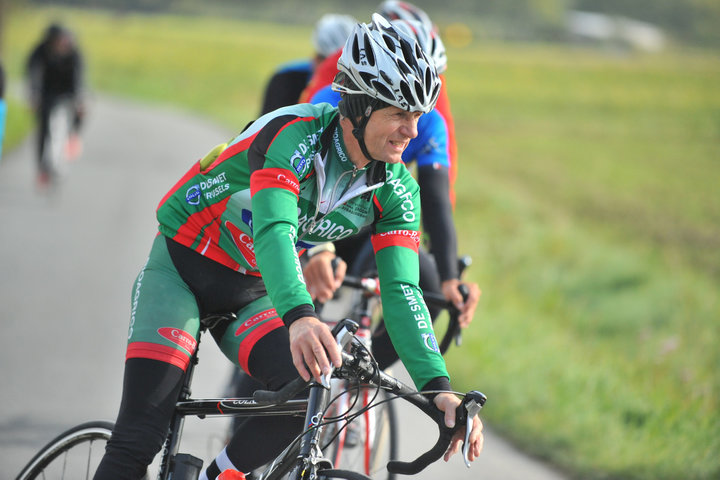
x,y
298,312
437,383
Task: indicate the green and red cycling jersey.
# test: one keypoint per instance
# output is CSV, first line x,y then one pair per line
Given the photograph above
x,y
286,184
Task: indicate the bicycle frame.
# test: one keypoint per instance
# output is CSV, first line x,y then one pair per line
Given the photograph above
x,y
187,406
305,455
303,459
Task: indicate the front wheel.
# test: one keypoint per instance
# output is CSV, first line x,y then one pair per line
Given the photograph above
x,y
74,454
368,442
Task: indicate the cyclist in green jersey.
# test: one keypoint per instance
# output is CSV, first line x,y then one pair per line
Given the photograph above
x,y
231,230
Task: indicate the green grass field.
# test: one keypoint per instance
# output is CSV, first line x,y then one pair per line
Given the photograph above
x,y
588,198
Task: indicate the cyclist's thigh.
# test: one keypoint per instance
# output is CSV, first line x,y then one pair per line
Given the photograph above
x,y
258,342
164,316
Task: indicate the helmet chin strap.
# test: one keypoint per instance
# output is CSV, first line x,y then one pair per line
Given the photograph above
x,y
359,130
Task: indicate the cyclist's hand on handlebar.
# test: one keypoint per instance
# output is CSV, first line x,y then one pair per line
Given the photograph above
x,y
448,403
453,295
320,279
313,347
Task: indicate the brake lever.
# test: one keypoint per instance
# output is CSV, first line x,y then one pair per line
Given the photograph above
x,y
474,402
343,333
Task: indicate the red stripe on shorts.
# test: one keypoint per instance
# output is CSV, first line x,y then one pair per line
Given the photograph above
x,y
252,338
154,351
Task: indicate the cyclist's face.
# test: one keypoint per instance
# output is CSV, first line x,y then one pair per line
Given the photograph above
x,y
389,131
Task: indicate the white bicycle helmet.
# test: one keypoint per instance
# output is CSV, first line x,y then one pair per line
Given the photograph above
x,y
331,32
394,10
387,64
428,39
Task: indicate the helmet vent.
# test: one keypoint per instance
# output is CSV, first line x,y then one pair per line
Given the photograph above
x,y
356,52
382,90
419,91
368,78
404,68
407,52
405,89
389,43
386,78
370,55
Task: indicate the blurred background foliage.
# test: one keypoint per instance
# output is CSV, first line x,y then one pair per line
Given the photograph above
x,y
694,22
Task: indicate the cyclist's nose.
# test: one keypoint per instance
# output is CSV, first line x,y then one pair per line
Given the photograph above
x,y
409,128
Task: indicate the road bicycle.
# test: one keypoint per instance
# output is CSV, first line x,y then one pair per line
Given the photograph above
x,y
81,446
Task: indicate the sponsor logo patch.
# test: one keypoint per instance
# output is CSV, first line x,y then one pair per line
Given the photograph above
x,y
179,337
299,163
244,243
192,196
255,319
430,342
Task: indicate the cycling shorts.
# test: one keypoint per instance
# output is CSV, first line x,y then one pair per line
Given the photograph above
x,y
167,304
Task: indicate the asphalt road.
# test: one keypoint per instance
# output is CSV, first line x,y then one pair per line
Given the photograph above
x,y
68,261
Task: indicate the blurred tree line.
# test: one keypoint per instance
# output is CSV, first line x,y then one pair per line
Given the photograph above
x,y
694,22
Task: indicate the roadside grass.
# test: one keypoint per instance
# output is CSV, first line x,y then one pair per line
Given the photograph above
x,y
18,122
588,199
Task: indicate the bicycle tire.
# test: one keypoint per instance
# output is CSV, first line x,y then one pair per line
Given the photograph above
x,y
76,446
335,474
356,454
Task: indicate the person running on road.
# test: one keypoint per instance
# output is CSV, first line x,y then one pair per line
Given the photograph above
x,y
231,230
55,72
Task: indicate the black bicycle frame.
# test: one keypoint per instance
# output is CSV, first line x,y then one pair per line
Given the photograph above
x,y
242,407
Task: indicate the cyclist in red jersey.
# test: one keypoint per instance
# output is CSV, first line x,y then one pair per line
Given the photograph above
x,y
231,230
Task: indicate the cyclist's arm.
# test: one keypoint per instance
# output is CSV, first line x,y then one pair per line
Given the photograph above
x,y
433,157
274,190
312,345
274,206
438,220
321,278
274,193
430,150
395,242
